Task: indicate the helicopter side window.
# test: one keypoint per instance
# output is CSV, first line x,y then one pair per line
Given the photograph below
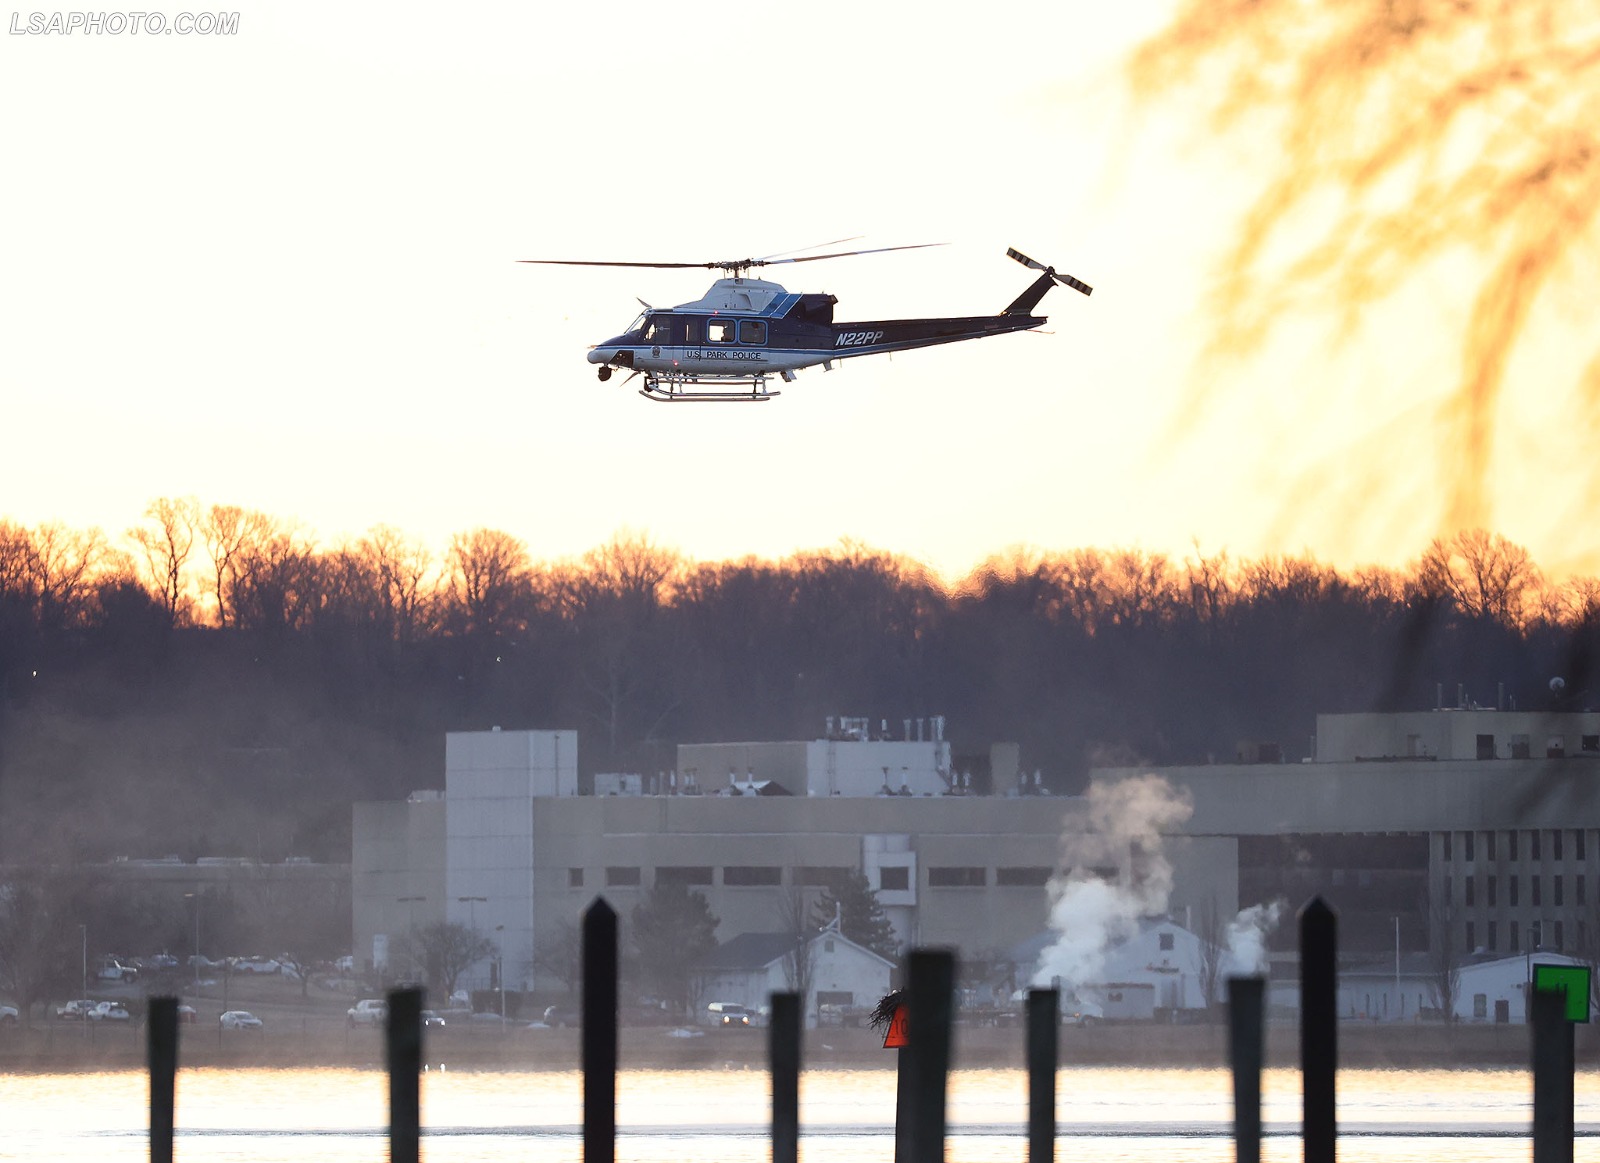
x,y
752,331
660,329
691,332
720,330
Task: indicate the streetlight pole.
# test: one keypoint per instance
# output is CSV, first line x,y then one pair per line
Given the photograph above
x,y
1401,1012
194,896
500,974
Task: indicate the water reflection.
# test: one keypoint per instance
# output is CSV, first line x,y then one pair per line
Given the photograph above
x,y
1106,1116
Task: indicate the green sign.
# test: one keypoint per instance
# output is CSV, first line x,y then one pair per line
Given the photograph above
x,y
1573,980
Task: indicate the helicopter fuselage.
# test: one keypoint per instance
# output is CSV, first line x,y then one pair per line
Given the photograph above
x,y
745,329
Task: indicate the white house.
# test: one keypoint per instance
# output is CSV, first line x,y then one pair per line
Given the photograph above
x,y
1161,961
751,967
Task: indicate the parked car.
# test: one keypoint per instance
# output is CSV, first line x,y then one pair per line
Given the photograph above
x,y
112,969
558,1016
187,1015
74,1011
255,965
429,1018
109,1011
369,1011
8,1015
240,1020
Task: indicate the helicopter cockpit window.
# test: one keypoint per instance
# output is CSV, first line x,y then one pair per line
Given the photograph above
x,y
752,331
660,329
637,324
720,330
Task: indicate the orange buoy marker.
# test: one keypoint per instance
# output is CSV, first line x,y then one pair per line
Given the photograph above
x,y
896,1036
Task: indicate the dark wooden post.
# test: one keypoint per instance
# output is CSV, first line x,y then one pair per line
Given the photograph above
x,y
1246,1055
1553,1067
162,1027
902,1105
403,1052
783,1051
599,1033
1319,1027
930,998
1044,1049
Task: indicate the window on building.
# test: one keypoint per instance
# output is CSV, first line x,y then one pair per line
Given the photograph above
x,y
957,876
1555,891
1472,895
1493,933
1555,844
1449,897
574,878
835,997
1472,935
894,878
617,877
1560,936
1533,883
1485,746
1165,941
1511,935
1580,890
1511,844
1511,891
692,874
1489,889
819,876
751,875
1590,744
1533,845
1555,747
1580,847
1447,847
1467,839
1022,877
1488,845
1520,747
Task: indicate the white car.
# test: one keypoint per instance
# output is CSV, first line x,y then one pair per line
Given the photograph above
x,y
368,1012
240,1020
255,965
8,1015
109,1011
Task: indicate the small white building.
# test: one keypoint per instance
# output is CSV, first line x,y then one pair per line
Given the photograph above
x,y
751,967
1160,965
1497,990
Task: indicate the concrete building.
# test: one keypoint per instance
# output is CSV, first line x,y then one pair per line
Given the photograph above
x,y
509,849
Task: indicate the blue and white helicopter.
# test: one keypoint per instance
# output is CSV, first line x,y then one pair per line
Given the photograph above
x,y
726,345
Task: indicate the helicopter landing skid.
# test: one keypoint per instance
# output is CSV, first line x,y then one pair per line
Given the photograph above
x,y
673,389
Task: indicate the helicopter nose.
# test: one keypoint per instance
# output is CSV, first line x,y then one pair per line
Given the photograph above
x,y
601,354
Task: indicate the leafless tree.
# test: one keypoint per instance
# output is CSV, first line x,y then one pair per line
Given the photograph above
x,y
1483,574
231,536
165,544
1445,954
560,954
800,962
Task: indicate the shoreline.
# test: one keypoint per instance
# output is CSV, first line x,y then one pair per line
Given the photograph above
x,y
70,1049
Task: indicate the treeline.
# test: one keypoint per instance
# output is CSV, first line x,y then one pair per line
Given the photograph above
x,y
216,682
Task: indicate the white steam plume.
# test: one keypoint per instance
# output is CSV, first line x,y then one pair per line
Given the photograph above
x,y
1247,938
1115,873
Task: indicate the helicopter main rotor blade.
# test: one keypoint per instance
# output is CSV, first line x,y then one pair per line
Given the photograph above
x,y
849,253
813,246
583,262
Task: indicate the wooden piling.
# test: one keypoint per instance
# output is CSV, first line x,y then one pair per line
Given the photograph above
x,y
1319,1026
599,1044
162,1029
1044,1055
783,1051
403,1056
930,998
1246,1057
1553,1067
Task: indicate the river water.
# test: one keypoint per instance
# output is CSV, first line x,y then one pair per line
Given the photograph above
x,y
847,1116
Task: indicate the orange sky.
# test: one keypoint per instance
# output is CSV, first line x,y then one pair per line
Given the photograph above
x,y
277,270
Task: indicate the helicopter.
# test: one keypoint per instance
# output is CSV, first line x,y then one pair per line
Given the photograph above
x,y
726,345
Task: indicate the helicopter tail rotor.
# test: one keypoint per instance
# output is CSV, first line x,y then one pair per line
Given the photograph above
x,y
1065,280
